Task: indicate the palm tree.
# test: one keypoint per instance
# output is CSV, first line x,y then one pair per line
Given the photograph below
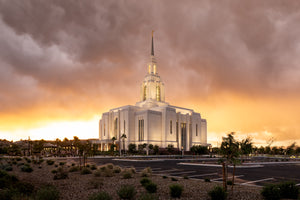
x,y
113,140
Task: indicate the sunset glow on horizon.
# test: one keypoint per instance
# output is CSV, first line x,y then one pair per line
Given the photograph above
x,y
64,63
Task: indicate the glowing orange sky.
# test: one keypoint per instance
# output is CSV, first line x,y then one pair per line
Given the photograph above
x,y
63,63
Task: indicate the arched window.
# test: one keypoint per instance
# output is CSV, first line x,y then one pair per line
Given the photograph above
x,y
157,93
145,93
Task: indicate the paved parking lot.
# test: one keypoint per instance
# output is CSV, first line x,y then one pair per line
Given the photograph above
x,y
256,175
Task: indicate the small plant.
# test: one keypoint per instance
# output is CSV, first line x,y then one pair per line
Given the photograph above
x,y
145,181
97,173
96,183
110,166
62,163
73,164
186,177
26,168
100,196
88,166
60,174
93,167
127,175
55,165
74,169
85,171
25,188
117,169
288,190
19,164
174,179
176,190
127,192
48,192
164,177
54,171
217,193
206,180
151,187
229,183
148,196
271,192
146,172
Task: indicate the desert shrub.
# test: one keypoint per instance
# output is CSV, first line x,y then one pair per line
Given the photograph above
x,y
18,158
288,190
100,196
145,181
62,163
85,171
25,188
54,171
19,164
146,172
127,175
93,167
8,168
73,164
48,192
176,190
6,180
14,162
50,162
117,169
103,168
148,196
26,168
74,169
132,170
151,187
88,166
217,193
174,179
207,180
60,174
110,166
97,173
229,183
164,177
107,172
96,183
55,165
271,192
186,177
127,192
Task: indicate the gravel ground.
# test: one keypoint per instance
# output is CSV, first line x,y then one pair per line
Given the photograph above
x,y
78,186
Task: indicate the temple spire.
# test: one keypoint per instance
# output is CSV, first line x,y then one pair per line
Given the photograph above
x,y
152,47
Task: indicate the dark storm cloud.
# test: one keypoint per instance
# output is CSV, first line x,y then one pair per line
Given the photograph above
x,y
75,51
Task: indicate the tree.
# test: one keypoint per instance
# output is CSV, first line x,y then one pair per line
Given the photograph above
x,y
230,151
38,146
246,146
112,147
290,150
156,149
132,148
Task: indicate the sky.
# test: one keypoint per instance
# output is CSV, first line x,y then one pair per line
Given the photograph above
x,y
63,63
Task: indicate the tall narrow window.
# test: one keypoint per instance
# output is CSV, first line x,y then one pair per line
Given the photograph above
x,y
176,131
145,93
104,129
170,126
157,93
124,126
196,129
116,127
141,130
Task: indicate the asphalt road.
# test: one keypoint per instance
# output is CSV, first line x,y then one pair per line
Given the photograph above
x,y
254,176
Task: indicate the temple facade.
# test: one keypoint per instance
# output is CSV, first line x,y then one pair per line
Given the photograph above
x,y
152,120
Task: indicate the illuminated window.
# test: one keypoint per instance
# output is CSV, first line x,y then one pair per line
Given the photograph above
x,y
145,93
196,129
170,126
149,69
157,93
141,130
154,69
116,126
104,129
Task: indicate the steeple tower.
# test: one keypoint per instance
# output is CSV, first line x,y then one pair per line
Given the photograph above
x,y
152,88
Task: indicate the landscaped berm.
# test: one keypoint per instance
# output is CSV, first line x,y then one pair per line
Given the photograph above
x,y
28,178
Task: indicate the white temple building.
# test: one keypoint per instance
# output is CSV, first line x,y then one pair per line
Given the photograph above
x,y
152,120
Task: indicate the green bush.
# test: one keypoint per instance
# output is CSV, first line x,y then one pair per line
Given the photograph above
x,y
96,183
146,172
26,168
74,169
207,180
117,169
127,192
127,175
110,166
93,167
271,192
186,177
151,187
50,162
174,179
288,190
62,163
60,174
217,193
85,171
100,196
229,183
48,192
176,190
97,173
148,196
145,181
164,177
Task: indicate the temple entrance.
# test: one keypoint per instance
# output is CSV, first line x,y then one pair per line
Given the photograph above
x,y
183,135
